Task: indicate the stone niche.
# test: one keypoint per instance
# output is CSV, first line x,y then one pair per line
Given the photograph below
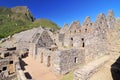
x,y
5,54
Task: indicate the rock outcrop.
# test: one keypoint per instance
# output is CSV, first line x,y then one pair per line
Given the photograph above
x,y
23,10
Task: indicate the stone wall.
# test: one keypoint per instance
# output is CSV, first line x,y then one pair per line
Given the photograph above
x,y
22,45
49,58
86,71
68,43
78,41
95,47
61,61
44,54
69,59
46,57
33,49
44,40
56,62
19,71
7,66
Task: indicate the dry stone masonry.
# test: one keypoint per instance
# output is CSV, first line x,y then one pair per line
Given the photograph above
x,y
66,49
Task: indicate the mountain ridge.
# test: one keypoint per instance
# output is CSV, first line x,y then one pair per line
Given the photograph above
x,y
19,18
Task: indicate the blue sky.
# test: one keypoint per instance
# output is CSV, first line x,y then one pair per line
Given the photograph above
x,y
66,11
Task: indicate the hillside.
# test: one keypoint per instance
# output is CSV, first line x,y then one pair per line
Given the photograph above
x,y
17,19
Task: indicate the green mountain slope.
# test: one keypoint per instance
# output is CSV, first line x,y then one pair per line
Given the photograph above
x,y
17,19
45,23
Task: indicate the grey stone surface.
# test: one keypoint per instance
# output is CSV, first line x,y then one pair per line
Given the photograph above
x,y
88,70
110,19
69,59
87,21
71,45
74,27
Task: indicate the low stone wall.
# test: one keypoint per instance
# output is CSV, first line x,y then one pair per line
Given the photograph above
x,y
88,70
20,73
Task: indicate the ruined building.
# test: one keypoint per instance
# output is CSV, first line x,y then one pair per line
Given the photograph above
x,y
71,46
74,45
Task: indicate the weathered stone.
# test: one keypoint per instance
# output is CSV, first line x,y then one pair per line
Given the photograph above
x,y
69,47
64,29
87,21
23,10
88,70
74,27
110,19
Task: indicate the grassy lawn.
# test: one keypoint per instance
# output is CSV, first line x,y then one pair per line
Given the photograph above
x,y
68,76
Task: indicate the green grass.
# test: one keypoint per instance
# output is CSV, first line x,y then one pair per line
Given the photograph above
x,y
11,23
45,23
68,76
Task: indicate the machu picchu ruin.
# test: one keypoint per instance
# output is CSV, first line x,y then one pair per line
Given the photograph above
x,y
79,51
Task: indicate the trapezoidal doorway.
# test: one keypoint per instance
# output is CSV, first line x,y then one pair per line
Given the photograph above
x,y
48,61
41,57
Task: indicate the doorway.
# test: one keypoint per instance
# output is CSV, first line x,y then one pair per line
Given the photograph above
x,y
48,61
41,57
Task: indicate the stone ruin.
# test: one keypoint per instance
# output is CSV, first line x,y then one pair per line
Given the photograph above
x,y
74,45
66,49
7,64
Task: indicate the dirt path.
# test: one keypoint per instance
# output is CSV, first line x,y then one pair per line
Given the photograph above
x,y
38,71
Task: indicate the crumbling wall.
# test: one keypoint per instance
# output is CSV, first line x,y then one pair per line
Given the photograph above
x,y
7,65
19,71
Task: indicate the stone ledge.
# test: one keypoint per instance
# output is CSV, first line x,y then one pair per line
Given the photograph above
x,y
89,69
